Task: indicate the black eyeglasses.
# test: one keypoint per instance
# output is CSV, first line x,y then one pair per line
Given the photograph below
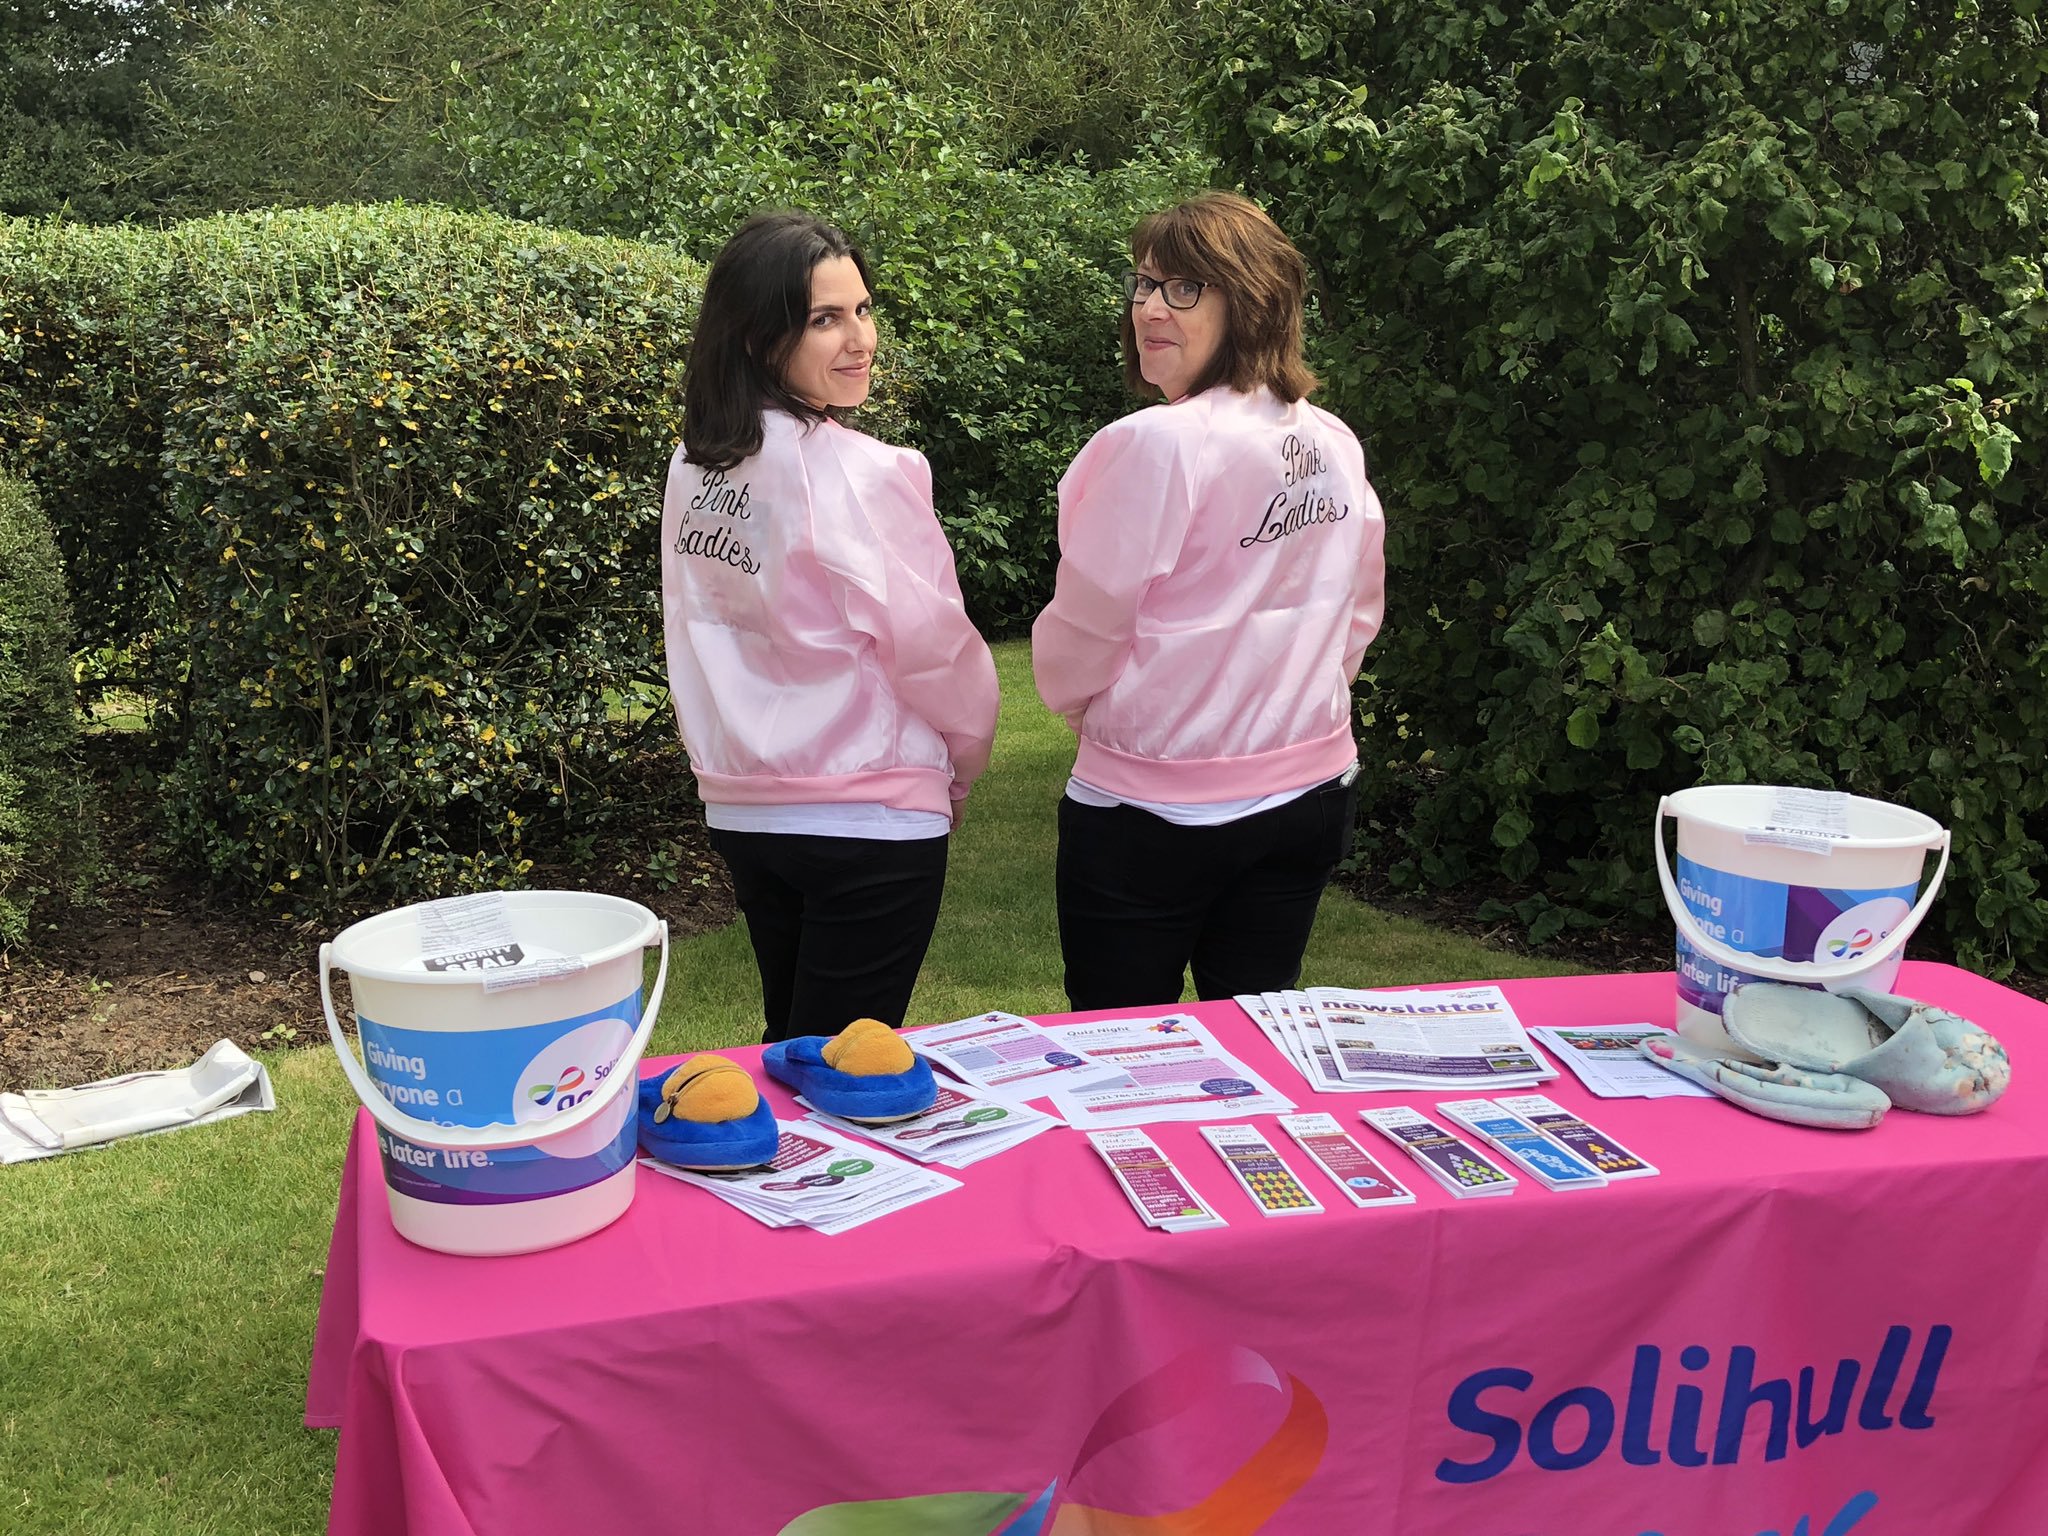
x,y
1179,292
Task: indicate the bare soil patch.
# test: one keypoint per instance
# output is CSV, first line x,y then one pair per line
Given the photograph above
x,y
155,965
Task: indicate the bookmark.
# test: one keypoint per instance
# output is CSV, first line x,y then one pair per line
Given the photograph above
x,y
1259,1170
1354,1170
1596,1147
1453,1162
1549,1163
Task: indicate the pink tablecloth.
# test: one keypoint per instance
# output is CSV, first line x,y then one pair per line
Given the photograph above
x,y
1789,1330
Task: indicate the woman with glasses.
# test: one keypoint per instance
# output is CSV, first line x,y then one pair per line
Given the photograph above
x,y
1220,578
835,700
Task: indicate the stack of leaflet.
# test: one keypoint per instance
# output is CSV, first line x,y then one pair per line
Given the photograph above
x,y
819,1179
960,1128
1260,1171
1288,1021
1010,1057
1155,1188
1549,1162
1452,1161
1347,1041
1594,1145
1355,1171
1607,1061
1168,1067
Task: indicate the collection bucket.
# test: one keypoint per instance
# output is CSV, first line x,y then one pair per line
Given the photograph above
x,y
501,1039
1755,900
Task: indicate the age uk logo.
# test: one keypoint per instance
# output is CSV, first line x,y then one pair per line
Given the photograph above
x,y
570,1081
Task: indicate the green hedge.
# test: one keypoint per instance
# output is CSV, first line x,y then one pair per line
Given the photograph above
x,y
45,825
1701,351
80,407
390,479
947,137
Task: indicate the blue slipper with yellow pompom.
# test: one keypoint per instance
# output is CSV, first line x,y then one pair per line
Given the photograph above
x,y
865,1072
707,1115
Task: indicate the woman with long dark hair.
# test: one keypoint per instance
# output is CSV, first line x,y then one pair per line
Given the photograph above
x,y
836,702
1220,578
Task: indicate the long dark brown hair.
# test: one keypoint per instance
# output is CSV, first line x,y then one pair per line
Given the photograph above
x,y
757,300
1226,239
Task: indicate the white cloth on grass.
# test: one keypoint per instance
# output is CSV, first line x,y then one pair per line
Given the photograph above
x,y
44,1122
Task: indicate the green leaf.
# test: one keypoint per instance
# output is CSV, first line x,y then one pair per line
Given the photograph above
x,y
1787,223
1582,730
1994,453
1548,167
1511,828
1675,482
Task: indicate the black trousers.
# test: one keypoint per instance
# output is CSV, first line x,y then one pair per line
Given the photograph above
x,y
839,925
1142,899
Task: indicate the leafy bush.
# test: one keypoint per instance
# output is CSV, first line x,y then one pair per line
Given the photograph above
x,y
1002,283
74,82
1702,352
1051,78
310,102
44,828
646,119
316,101
675,119
998,279
403,500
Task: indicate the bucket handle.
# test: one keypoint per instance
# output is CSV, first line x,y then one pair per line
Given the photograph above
x,y
485,1138
1769,966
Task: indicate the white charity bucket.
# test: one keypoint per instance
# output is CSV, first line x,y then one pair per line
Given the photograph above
x,y
501,1076
1814,906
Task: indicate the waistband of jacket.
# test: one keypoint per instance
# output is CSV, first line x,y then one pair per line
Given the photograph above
x,y
902,789
1200,781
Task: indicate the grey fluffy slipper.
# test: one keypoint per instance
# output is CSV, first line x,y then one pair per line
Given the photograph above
x,y
1831,1101
1924,1058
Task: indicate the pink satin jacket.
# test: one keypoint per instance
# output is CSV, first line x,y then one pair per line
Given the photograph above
x,y
1221,574
818,649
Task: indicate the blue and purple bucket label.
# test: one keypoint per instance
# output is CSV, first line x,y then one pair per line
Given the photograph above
x,y
522,1076
1802,923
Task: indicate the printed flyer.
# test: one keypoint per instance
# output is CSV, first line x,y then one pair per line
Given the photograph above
x,y
1464,1037
1176,1070
961,1128
820,1179
1004,1054
1607,1061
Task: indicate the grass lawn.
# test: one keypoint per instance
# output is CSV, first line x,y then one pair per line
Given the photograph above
x,y
157,1299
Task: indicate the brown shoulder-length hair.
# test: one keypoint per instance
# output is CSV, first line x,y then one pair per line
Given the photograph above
x,y
1227,239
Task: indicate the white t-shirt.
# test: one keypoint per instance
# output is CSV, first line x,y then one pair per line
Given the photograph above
x,y
1215,814
884,823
